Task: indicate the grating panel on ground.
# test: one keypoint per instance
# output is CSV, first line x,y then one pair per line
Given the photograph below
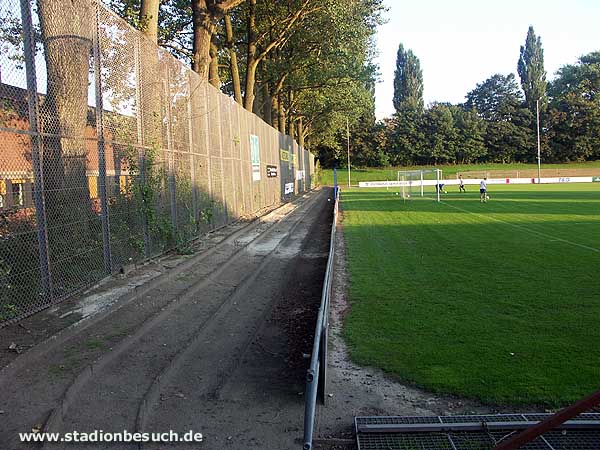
x,y
412,441
482,439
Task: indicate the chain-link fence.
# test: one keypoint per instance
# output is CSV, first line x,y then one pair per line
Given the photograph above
x,y
113,151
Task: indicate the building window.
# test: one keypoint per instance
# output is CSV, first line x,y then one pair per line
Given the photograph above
x,y
17,192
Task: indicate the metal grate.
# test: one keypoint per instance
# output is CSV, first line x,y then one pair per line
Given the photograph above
x,y
372,435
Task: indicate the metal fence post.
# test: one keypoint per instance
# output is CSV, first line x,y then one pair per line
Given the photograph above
x,y
323,360
241,171
235,207
140,141
192,159
101,147
171,154
33,109
206,125
220,134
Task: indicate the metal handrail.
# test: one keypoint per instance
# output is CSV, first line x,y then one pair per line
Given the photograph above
x,y
316,376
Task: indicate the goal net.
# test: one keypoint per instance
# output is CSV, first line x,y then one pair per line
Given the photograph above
x,y
420,183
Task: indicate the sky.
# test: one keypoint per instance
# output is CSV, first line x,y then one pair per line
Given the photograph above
x,y
463,42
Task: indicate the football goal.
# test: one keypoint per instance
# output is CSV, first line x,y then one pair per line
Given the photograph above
x,y
422,183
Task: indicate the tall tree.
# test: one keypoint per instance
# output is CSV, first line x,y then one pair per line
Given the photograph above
x,y
408,82
531,71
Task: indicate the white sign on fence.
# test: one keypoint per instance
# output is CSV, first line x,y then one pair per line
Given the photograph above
x,y
380,183
255,157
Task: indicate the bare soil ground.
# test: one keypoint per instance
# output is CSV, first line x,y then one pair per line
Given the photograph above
x,y
215,345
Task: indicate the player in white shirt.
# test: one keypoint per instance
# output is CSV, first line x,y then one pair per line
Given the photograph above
x,y
461,184
483,190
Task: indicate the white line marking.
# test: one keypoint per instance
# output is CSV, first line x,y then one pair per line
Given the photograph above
x,y
552,238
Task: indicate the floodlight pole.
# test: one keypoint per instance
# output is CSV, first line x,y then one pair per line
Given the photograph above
x,y
348,139
437,183
539,156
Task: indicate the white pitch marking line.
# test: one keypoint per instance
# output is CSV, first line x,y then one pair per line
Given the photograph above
x,y
552,238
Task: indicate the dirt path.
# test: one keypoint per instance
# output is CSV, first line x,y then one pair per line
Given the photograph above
x,y
216,348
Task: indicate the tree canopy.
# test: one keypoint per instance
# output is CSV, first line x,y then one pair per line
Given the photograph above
x,y
574,113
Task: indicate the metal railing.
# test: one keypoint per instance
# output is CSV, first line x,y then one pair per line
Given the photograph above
x,y
316,377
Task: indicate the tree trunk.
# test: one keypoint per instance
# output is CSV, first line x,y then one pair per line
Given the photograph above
x,y
149,19
282,117
251,63
266,96
300,132
267,103
275,105
256,106
290,117
250,94
275,111
213,69
305,133
292,127
67,49
204,28
235,73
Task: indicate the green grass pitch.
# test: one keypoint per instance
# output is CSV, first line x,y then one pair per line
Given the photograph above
x,y
497,301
